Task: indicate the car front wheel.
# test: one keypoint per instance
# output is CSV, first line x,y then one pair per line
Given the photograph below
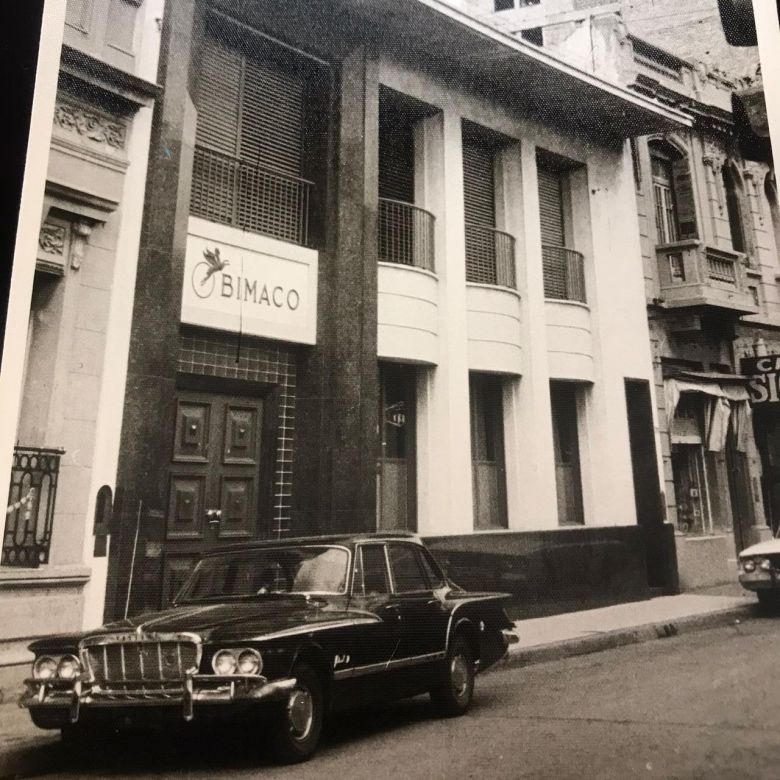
x,y
453,695
298,724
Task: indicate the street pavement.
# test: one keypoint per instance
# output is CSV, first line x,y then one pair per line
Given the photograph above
x,y
699,704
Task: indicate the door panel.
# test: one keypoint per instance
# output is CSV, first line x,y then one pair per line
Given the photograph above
x,y
185,508
216,476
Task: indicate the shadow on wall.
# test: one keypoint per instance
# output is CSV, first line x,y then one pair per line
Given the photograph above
x,y
549,572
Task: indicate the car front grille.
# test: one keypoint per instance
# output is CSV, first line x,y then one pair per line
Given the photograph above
x,y
141,659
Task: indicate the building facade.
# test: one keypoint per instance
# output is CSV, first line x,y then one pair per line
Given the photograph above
x,y
53,566
707,204
377,289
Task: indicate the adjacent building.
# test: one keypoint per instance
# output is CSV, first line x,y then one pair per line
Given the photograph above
x,y
53,565
707,203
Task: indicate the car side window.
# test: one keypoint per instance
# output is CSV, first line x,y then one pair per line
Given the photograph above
x,y
406,566
432,571
370,570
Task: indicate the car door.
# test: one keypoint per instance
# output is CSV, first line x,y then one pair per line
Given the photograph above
x,y
376,643
423,615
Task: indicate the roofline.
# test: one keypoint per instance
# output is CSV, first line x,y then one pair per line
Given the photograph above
x,y
545,59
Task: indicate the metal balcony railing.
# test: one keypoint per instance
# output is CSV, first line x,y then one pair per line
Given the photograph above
x,y
564,274
233,192
490,256
30,514
405,234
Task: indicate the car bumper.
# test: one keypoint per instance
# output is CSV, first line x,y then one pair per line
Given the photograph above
x,y
66,700
759,580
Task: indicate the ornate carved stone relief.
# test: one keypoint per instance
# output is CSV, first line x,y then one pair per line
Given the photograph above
x,y
90,124
52,239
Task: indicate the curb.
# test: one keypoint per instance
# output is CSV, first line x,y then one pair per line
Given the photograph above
x,y
583,645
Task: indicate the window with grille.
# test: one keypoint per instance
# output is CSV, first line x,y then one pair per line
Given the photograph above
x,y
479,196
248,168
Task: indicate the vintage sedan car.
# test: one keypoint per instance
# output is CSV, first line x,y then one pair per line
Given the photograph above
x,y
296,629
759,571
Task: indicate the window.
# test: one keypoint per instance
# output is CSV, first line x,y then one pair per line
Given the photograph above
x,y
251,148
408,574
675,212
487,451
770,190
120,31
566,446
503,5
732,183
370,570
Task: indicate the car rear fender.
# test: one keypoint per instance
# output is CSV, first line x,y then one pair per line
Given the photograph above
x,y
466,628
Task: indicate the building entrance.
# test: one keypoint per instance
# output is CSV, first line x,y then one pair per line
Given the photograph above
x,y
218,483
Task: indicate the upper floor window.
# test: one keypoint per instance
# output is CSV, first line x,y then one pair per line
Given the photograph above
x,y
258,122
490,254
107,29
732,184
770,190
675,213
564,270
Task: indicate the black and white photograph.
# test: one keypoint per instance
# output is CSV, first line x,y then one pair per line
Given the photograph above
x,y
391,388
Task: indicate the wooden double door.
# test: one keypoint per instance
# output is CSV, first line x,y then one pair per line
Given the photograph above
x,y
219,489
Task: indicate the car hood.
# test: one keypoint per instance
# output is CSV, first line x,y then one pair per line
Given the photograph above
x,y
259,619
768,547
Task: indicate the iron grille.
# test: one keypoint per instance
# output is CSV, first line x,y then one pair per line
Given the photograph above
x,y
564,274
143,661
405,234
251,197
490,256
30,514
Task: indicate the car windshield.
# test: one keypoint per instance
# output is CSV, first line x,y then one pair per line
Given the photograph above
x,y
309,569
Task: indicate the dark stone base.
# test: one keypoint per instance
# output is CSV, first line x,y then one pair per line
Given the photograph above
x,y
549,572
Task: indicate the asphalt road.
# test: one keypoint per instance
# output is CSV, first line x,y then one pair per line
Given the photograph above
x,y
699,705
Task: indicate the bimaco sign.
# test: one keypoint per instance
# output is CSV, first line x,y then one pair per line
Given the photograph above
x,y
247,283
763,379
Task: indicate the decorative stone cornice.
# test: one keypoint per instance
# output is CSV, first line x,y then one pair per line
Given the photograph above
x,y
90,124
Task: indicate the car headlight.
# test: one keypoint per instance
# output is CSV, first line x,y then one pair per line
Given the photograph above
x,y
250,662
224,662
69,667
749,565
44,668
765,564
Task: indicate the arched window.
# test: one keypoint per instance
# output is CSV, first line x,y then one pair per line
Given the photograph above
x,y
675,209
770,190
732,183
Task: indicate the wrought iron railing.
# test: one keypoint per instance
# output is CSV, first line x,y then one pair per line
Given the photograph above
x,y
490,256
30,514
564,274
234,192
405,234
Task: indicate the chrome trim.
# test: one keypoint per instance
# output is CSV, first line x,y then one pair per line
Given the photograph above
x,y
386,666
303,630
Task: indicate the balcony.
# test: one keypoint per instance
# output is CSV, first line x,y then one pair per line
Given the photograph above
x,y
233,192
696,276
30,514
490,256
564,274
405,234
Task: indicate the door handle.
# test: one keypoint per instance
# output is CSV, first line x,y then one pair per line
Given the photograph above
x,y
214,516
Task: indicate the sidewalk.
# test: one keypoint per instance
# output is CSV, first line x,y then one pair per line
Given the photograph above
x,y
577,633
27,750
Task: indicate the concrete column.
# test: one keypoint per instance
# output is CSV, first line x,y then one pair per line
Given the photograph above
x,y
154,339
338,384
528,425
621,335
444,443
